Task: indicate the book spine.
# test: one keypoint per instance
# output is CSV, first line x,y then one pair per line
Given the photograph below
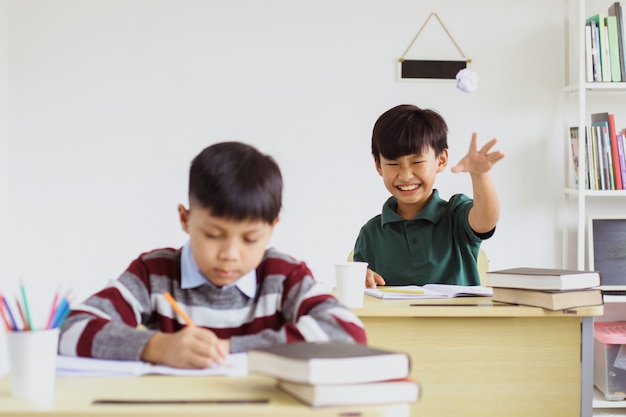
x,y
613,48
617,171
590,162
595,48
616,10
573,133
608,157
599,157
595,173
588,54
622,156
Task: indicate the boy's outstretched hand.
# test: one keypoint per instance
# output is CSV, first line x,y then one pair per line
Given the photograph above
x,y
191,347
478,162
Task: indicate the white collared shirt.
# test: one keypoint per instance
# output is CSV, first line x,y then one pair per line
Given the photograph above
x,y
191,277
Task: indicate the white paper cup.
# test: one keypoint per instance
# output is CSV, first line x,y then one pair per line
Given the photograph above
x,y
351,282
32,364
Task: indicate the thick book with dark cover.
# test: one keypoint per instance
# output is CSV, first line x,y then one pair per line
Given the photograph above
x,y
550,300
385,392
543,279
328,363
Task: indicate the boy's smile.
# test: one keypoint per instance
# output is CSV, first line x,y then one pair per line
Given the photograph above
x,y
411,187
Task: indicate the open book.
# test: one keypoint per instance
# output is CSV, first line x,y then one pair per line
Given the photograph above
x,y
236,365
407,292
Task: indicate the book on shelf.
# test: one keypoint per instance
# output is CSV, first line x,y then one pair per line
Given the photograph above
x,y
588,54
407,292
328,363
621,149
599,155
550,300
543,278
613,44
605,67
574,143
616,10
592,169
595,50
602,134
609,134
403,390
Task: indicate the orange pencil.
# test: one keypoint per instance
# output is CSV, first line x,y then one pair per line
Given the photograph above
x,y
177,309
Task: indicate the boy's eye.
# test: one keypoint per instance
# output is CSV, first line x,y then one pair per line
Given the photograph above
x,y
251,239
211,235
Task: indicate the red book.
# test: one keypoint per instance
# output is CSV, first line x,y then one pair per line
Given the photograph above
x,y
619,181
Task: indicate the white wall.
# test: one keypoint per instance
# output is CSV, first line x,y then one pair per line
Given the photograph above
x,y
110,100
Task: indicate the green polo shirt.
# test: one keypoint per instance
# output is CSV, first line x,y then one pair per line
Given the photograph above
x,y
437,246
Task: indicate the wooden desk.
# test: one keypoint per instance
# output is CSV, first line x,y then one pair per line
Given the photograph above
x,y
74,395
486,360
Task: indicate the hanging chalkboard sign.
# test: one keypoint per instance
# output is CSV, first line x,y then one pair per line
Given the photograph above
x,y
425,68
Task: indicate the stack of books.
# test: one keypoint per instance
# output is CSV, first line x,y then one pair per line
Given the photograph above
x,y
552,289
605,48
337,374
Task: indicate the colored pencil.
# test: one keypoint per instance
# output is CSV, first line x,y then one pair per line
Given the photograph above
x,y
5,319
26,309
22,315
53,309
58,321
8,310
60,311
177,309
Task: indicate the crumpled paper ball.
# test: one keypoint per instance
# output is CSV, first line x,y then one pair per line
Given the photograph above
x,y
467,80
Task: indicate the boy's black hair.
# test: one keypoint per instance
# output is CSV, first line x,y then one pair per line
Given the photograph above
x,y
407,130
236,181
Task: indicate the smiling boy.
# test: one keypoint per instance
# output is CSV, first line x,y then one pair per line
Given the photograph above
x,y
239,294
420,238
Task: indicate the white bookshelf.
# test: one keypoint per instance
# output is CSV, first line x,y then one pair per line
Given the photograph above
x,y
582,99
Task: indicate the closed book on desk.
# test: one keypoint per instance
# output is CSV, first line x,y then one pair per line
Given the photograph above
x,y
328,363
385,392
550,300
543,279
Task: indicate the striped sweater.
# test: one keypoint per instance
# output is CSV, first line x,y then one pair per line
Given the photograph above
x,y
289,306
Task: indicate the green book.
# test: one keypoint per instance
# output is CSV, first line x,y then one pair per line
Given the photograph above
x,y
613,43
616,10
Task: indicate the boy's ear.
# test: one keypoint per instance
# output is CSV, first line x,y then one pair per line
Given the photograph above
x,y
183,215
378,167
442,160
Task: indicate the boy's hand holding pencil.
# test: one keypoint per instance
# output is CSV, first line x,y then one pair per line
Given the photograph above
x,y
190,347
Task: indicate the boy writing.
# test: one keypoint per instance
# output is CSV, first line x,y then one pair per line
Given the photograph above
x,y
420,238
238,294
